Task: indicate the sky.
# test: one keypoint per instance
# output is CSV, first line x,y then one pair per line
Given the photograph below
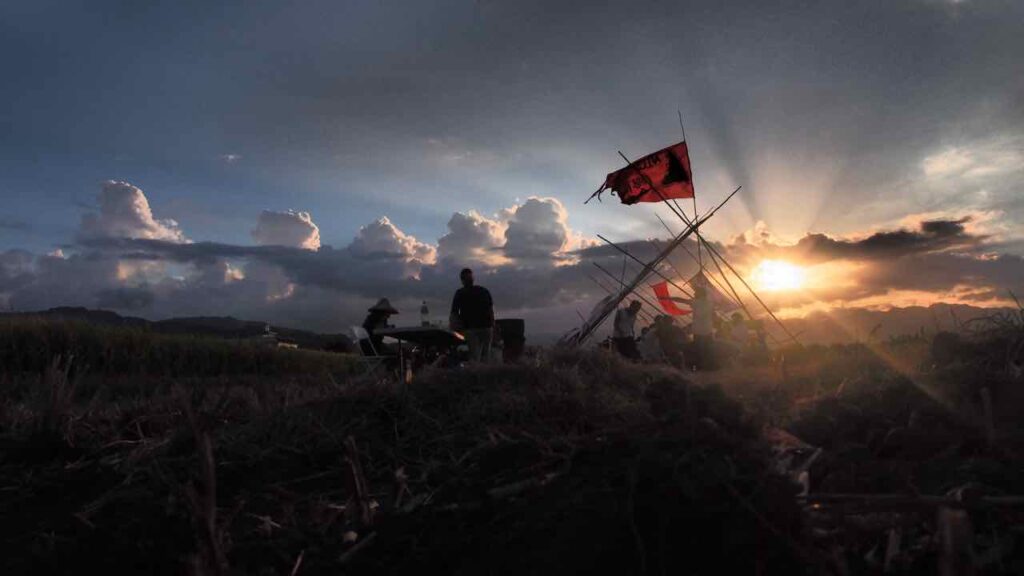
x,y
295,161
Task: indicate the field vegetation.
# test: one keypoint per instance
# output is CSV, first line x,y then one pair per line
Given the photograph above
x,y
30,345
190,455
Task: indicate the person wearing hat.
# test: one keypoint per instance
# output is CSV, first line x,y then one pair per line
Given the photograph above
x,y
378,319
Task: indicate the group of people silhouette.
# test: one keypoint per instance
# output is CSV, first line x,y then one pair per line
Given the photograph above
x,y
471,315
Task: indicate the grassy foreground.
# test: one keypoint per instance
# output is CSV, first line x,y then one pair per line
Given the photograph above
x,y
576,463
572,462
30,346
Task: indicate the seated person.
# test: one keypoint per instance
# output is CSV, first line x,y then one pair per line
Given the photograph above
x,y
740,332
650,346
673,340
377,319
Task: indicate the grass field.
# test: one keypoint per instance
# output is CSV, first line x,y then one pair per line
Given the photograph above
x,y
29,346
172,459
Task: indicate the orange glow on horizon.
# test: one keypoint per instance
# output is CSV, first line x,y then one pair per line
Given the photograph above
x,y
778,276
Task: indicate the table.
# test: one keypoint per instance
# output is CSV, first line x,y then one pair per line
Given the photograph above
x,y
422,336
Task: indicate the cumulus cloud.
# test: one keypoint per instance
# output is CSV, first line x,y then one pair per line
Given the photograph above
x,y
74,280
295,229
124,212
472,239
534,263
538,232
382,239
287,273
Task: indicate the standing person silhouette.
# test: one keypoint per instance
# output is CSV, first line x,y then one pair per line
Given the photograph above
x,y
623,330
473,315
703,327
703,324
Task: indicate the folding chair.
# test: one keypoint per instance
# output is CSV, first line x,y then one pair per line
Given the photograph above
x,y
371,359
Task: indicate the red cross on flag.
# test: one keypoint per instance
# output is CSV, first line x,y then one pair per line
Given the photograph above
x,y
667,301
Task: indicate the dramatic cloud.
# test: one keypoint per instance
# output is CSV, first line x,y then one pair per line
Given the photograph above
x,y
472,239
124,212
534,263
537,230
929,260
930,236
382,239
295,229
835,116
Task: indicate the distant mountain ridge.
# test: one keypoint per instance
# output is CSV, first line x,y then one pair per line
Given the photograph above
x,y
837,326
845,325
219,326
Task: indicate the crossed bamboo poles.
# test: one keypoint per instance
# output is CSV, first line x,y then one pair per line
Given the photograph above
x,y
647,268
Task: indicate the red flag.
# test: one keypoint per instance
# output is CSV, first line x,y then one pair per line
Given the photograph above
x,y
668,303
668,169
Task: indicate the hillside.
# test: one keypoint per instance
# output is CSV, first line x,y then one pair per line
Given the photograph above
x,y
218,326
847,325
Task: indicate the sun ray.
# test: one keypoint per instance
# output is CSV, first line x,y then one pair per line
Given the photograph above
x,y
778,276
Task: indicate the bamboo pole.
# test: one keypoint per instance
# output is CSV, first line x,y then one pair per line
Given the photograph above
x,y
700,257
623,284
642,263
587,330
647,317
718,284
714,251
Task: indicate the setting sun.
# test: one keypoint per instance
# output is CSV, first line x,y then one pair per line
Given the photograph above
x,y
778,275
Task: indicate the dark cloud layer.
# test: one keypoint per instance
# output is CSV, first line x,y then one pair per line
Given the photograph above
x,y
327,287
931,236
124,259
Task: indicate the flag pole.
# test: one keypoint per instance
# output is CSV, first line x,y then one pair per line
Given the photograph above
x,y
736,294
623,285
644,264
578,337
734,297
700,257
654,244
713,280
596,281
712,251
